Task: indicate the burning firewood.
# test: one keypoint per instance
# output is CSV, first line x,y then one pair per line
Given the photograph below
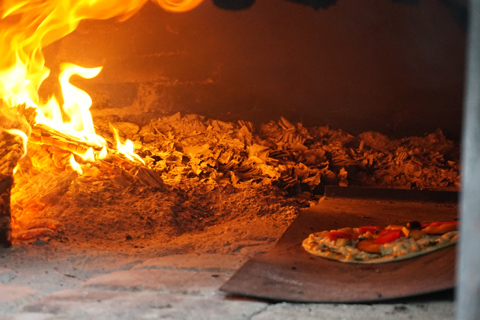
x,y
6,183
11,150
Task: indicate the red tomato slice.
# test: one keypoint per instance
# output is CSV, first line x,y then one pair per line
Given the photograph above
x,y
387,236
372,229
334,235
439,223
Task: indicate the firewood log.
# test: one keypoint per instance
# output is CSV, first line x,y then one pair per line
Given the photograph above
x,y
11,150
6,183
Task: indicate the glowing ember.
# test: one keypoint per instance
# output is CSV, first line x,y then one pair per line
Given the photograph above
x,y
28,26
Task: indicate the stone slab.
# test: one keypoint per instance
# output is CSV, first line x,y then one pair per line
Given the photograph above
x,y
13,292
203,262
439,310
6,275
29,316
82,303
179,281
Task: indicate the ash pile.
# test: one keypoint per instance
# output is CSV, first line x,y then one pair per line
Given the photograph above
x,y
202,172
294,158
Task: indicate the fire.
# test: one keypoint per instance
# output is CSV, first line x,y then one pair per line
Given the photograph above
x,y
178,5
89,156
126,148
23,136
78,122
26,28
75,165
103,153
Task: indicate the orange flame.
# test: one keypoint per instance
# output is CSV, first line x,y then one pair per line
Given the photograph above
x,y
126,148
76,107
103,153
178,5
28,26
88,156
22,135
75,165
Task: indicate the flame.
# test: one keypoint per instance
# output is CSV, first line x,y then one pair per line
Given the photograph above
x,y
75,165
126,148
26,28
79,122
103,153
88,156
22,135
178,5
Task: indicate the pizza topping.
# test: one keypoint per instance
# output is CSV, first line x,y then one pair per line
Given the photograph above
x,y
441,227
367,235
375,244
395,248
320,234
414,225
387,236
394,227
413,245
371,229
437,224
368,246
340,242
416,234
450,236
334,235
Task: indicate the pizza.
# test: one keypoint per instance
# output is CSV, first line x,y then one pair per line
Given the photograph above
x,y
378,244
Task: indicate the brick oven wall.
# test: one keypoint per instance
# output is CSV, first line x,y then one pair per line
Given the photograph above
x,y
382,65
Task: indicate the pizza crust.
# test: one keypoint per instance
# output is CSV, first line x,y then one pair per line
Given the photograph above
x,y
400,249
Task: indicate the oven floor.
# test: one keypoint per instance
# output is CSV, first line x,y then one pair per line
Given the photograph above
x,y
169,287
54,280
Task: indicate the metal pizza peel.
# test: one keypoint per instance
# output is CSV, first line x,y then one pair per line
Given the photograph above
x,y
289,273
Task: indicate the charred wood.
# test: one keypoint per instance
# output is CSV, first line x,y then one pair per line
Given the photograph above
x,y
6,183
11,150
